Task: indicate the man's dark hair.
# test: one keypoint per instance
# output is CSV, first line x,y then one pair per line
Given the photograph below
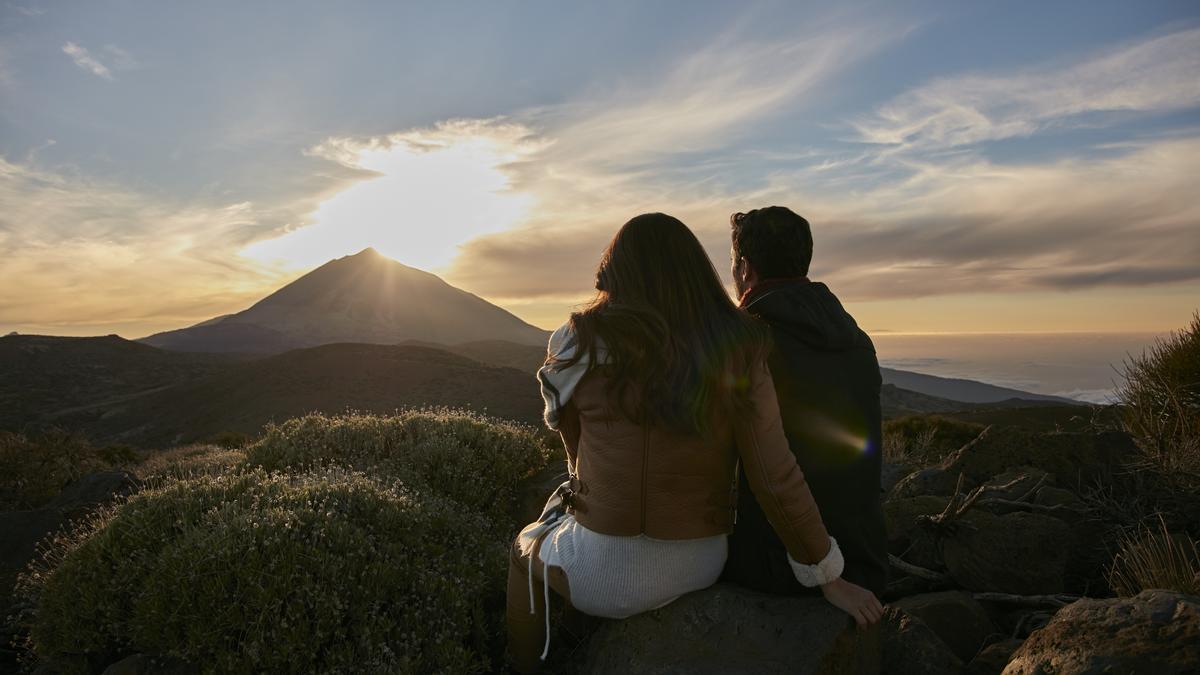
x,y
775,240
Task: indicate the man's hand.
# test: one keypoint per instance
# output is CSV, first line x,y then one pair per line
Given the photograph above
x,y
854,600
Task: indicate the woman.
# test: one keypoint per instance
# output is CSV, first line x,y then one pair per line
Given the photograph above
x,y
658,388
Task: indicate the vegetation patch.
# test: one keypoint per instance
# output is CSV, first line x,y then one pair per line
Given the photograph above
x,y
326,570
473,460
922,440
35,467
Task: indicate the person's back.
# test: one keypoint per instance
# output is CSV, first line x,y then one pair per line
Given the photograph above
x,y
658,389
828,382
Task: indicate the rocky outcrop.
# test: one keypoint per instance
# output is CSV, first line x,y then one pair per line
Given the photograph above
x,y
1156,632
912,648
1072,458
956,618
726,629
22,531
992,659
1022,553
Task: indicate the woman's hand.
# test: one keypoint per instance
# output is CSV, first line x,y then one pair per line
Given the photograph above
x,y
854,600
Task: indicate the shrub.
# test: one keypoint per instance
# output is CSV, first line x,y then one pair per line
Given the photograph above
x,y
231,440
925,439
189,461
474,460
1160,400
323,571
1155,558
35,467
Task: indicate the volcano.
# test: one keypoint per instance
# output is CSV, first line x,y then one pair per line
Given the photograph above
x,y
363,298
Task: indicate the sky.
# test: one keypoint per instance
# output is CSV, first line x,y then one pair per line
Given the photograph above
x,y
967,167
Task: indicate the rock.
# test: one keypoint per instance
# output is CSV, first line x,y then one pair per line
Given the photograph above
x,y
929,481
1155,632
992,659
908,539
1073,458
92,490
960,621
726,629
900,515
1022,553
21,531
912,648
146,664
890,474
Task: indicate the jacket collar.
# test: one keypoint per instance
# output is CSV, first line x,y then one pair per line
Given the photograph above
x,y
757,291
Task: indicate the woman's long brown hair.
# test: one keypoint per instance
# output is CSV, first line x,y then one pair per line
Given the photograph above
x,y
678,348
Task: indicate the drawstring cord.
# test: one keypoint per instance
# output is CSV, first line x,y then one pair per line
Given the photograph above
x,y
544,529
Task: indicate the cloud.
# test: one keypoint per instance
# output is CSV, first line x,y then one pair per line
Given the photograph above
x,y
85,60
646,146
80,252
1155,75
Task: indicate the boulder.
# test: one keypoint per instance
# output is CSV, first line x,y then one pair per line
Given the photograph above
x,y
1155,632
92,490
147,664
912,648
21,531
992,659
890,474
907,538
960,621
1022,553
1072,457
726,629
928,481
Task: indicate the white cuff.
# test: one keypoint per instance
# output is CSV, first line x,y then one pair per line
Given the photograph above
x,y
823,572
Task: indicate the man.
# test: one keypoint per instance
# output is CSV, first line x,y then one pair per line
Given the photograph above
x,y
827,380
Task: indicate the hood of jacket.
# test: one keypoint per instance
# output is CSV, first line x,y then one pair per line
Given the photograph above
x,y
808,312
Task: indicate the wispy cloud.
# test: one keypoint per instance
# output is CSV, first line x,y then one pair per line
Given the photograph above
x,y
1159,74
83,252
85,60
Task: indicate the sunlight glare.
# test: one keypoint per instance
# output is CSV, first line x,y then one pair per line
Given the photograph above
x,y
434,191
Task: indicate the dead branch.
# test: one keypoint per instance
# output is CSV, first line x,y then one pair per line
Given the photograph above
x,y
916,570
1051,601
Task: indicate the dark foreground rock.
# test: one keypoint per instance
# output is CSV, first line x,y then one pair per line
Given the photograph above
x,y
1022,553
1072,458
22,531
912,648
960,621
991,660
1156,632
725,629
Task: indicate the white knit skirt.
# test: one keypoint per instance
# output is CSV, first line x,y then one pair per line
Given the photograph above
x,y
617,577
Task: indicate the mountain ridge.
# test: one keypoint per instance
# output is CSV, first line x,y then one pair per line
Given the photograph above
x,y
362,298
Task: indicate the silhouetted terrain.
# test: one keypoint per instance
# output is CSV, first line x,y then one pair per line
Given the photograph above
x,y
968,391
360,298
45,376
329,379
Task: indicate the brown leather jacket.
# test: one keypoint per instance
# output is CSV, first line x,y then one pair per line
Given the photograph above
x,y
632,479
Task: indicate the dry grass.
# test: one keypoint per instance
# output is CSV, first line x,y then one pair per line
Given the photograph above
x,y
1160,401
1154,557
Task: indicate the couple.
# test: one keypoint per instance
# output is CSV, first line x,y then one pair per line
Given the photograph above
x,y
669,397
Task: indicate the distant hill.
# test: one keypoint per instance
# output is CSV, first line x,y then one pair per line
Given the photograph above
x,y
47,376
330,379
968,391
364,298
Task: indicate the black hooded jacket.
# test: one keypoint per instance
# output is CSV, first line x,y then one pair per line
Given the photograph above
x,y
827,380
